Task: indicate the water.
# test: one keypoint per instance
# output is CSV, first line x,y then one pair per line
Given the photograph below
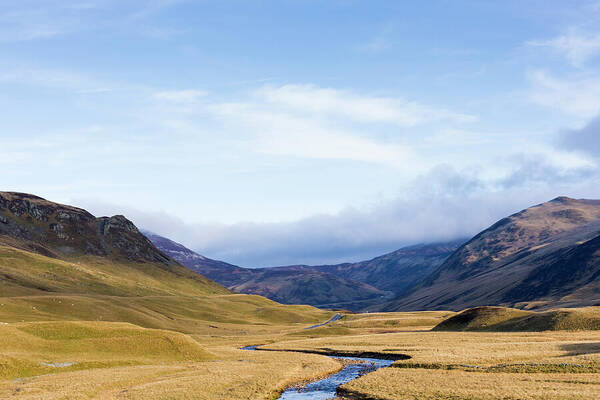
x,y
325,388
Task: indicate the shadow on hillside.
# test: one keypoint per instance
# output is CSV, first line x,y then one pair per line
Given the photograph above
x,y
576,349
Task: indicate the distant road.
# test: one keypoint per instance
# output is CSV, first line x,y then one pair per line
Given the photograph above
x,y
333,319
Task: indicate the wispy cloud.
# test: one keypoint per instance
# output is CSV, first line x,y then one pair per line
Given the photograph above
x,y
31,75
578,96
376,45
313,122
575,46
282,133
379,42
357,107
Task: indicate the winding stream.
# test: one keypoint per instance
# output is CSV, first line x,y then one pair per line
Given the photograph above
x,y
326,388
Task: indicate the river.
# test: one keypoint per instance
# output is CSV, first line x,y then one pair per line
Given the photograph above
x,y
326,388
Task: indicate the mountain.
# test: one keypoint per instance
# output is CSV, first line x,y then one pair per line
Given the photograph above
x,y
226,274
59,262
399,270
353,286
284,285
546,255
33,224
320,289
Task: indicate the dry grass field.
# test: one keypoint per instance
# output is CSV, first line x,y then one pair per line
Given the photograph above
x,y
125,361
87,328
471,365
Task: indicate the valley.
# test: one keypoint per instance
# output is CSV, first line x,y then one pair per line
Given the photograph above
x,y
351,286
93,310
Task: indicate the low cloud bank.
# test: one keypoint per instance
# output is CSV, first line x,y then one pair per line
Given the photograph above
x,y
442,205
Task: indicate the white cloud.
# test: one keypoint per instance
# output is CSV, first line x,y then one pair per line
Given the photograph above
x,y
576,96
441,204
576,47
283,133
180,96
357,107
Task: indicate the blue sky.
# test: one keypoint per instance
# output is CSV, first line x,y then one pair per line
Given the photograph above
x,y
278,132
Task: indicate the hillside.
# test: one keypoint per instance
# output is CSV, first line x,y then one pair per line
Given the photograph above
x,y
543,256
59,262
226,274
399,270
321,289
501,319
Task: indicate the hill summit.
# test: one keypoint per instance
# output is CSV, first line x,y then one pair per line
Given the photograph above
x,y
32,223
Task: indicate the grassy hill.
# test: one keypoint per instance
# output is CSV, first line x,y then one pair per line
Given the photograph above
x,y
501,319
35,348
60,263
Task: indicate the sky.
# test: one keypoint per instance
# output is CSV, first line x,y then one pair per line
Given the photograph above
x,y
282,132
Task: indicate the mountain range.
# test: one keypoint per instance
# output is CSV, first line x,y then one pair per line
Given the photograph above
x,y
544,256
352,286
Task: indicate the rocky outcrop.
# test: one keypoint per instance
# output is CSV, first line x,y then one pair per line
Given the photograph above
x,y
53,229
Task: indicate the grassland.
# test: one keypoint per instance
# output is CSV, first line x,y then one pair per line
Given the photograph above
x,y
82,360
87,327
468,365
501,319
123,361
92,327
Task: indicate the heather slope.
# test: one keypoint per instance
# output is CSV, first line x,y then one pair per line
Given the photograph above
x,y
291,286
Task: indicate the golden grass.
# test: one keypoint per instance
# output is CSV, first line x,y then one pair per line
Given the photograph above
x,y
394,383
404,321
237,374
25,273
471,365
509,319
28,349
444,365
91,328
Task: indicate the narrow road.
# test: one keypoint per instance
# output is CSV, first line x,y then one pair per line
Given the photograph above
x,y
333,319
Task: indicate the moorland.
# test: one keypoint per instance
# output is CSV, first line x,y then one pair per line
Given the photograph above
x,y
90,308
